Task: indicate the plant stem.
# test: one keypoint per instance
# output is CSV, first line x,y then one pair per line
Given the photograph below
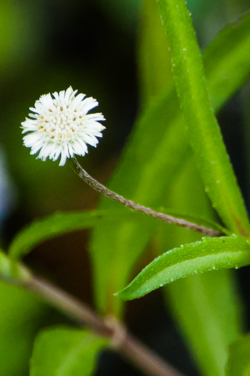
x,y
140,208
123,342
69,305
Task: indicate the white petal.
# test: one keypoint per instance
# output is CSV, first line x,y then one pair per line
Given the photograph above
x,y
59,125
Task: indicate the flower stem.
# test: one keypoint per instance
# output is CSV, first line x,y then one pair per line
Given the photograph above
x,y
140,208
121,341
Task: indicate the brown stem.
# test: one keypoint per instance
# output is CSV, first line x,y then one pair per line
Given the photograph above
x,y
69,305
123,342
140,208
142,357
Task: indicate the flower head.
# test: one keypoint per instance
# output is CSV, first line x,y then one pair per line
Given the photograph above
x,y
60,126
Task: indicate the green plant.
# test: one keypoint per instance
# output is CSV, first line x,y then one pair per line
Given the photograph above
x,y
159,162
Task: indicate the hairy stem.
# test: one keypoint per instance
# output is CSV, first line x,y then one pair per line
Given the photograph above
x,y
121,341
140,208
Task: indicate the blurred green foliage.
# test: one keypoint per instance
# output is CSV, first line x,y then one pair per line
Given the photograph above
x,y
21,317
62,351
238,362
20,37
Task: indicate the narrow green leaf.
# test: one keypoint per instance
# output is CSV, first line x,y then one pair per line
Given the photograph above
x,y
65,352
199,257
62,223
154,65
239,357
205,307
226,61
152,159
202,128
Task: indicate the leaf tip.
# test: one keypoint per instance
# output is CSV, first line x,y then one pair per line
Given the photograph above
x,y
120,295
124,294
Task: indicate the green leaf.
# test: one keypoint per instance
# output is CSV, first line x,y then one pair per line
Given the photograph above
x,y
10,269
226,61
199,257
21,316
202,128
61,223
154,65
65,352
206,307
239,357
152,159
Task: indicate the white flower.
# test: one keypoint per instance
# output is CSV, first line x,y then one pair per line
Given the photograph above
x,y
60,126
